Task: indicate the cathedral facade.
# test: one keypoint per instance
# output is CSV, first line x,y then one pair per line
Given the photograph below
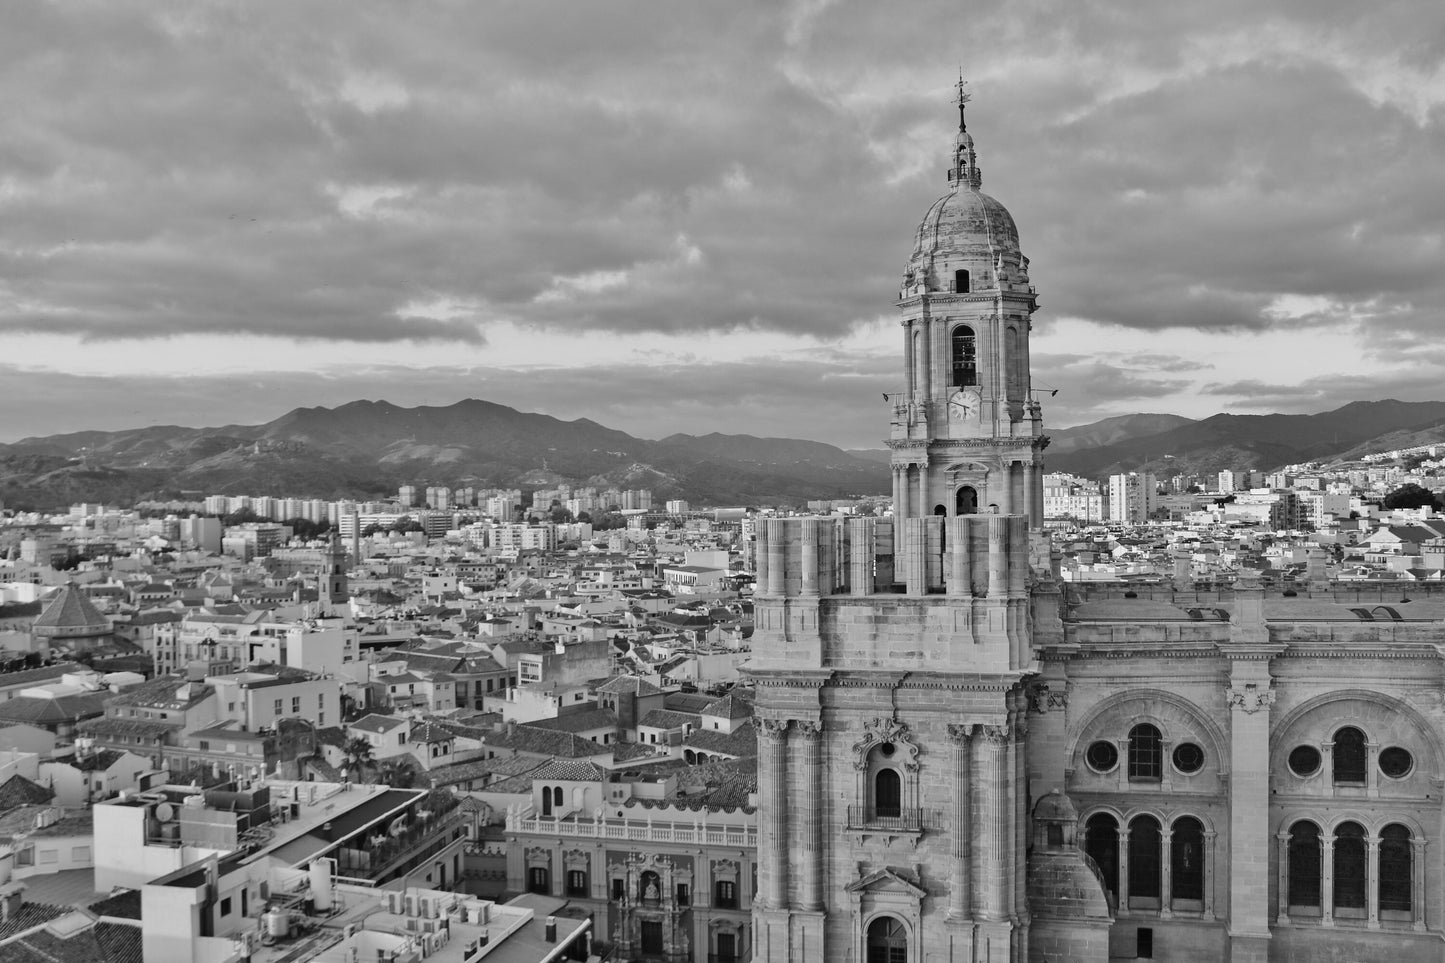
x,y
962,758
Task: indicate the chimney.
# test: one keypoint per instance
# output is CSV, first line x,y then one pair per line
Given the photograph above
x,y
549,933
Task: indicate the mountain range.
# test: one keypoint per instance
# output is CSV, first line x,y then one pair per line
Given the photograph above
x,y
368,448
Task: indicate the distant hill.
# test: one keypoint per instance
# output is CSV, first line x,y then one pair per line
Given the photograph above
x,y
368,448
1262,442
1111,431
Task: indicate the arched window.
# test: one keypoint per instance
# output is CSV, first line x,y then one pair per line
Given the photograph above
x,y
965,502
1396,870
1146,754
961,283
546,801
1186,860
887,941
557,796
1304,867
1350,870
1144,862
1351,755
1101,844
965,356
887,794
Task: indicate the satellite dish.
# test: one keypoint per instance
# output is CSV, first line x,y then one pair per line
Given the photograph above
x,y
165,812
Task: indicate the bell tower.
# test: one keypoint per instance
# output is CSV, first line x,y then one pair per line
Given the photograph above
x,y
966,431
890,654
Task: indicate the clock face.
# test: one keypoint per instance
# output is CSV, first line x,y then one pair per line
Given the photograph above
x,y
963,404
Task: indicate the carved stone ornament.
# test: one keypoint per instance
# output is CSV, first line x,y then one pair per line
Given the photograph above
x,y
1042,698
538,854
808,728
998,735
576,858
773,728
960,733
880,731
1251,698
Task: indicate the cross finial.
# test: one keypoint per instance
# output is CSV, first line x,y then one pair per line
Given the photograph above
x,y
963,98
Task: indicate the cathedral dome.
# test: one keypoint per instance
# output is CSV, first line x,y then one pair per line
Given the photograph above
x,y
966,221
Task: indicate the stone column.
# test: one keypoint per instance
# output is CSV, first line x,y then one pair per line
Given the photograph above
x,y
760,557
1166,872
1327,879
809,550
773,844
777,556
958,896
924,508
1124,868
997,556
1006,490
1209,857
1372,769
1417,874
1030,505
992,875
860,556
1282,846
908,362
810,799
1372,881
960,576
901,508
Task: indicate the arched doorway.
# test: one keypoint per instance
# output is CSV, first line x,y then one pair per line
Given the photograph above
x,y
966,501
887,941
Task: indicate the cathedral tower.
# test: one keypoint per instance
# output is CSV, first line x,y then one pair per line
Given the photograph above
x,y
966,429
889,654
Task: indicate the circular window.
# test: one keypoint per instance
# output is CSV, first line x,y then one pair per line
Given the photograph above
x,y
887,748
1304,760
1188,758
1396,762
1102,756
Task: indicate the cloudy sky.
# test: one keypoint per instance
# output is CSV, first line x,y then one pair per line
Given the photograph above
x,y
675,216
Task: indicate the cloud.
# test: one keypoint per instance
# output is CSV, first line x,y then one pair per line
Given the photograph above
x,y
314,177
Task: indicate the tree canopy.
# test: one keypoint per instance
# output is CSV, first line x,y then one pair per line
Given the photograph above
x,y
1411,496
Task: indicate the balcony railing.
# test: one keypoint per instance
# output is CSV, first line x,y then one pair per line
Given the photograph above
x,y
636,830
895,821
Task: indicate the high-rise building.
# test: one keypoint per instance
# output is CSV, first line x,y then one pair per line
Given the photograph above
x,y
1132,497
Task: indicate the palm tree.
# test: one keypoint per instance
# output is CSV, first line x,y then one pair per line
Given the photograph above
x,y
396,774
359,755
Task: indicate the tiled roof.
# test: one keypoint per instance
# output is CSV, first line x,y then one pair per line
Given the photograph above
x,y
665,719
373,722
19,791
694,702
59,709
425,732
107,726
629,683
544,742
574,770
122,905
730,706
69,608
742,742
29,914
164,693
8,680
579,721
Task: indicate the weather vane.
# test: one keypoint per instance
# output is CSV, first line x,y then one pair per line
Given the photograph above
x,y
963,95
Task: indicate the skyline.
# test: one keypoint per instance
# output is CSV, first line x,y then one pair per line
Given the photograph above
x,y
681,220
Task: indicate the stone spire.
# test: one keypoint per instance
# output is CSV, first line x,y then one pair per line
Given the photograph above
x,y
964,170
